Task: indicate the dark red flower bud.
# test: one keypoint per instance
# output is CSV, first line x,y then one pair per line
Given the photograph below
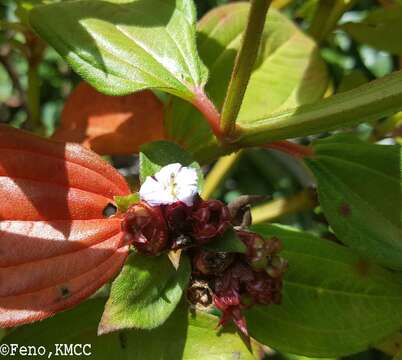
x,y
263,289
277,267
230,304
232,313
212,263
227,296
258,248
178,217
146,228
210,219
240,287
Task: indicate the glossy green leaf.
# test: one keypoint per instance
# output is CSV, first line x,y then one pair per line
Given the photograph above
x,y
155,155
334,303
371,101
381,29
359,189
124,202
145,293
288,72
122,46
184,336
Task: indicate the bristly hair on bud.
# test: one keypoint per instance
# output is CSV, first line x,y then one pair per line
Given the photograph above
x,y
172,183
145,227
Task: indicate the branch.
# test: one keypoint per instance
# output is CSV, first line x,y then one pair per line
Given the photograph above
x,y
371,101
243,66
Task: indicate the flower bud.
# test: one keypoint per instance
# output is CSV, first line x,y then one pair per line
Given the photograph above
x,y
256,249
210,219
227,297
277,266
145,227
212,263
240,287
178,217
263,288
273,246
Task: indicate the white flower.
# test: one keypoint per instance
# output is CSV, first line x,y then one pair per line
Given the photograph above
x,y
170,184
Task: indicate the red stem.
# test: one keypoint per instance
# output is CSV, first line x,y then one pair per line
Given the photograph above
x,y
208,109
290,148
202,102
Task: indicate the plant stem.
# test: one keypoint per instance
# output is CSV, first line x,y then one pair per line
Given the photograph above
x,y
208,109
36,48
280,207
219,173
33,95
327,16
291,148
243,67
369,102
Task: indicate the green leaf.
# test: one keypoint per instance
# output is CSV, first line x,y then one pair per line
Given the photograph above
x,y
372,101
288,72
124,202
184,336
207,342
145,293
334,303
359,189
381,29
228,242
121,46
155,155
191,336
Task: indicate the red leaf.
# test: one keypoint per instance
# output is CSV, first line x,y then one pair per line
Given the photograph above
x,y
111,125
56,246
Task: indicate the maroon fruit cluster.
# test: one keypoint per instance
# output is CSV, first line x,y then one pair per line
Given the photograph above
x,y
238,281
230,281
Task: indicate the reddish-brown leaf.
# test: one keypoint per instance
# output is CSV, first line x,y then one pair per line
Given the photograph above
x,y
56,245
111,125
